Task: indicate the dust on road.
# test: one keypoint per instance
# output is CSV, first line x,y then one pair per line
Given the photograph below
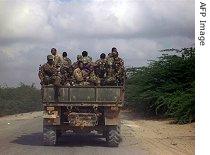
x,y
161,137
22,134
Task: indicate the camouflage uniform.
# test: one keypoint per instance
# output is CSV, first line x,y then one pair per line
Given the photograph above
x,y
101,68
58,60
80,77
110,61
110,78
115,74
66,71
66,62
110,74
86,59
75,64
92,78
119,70
49,74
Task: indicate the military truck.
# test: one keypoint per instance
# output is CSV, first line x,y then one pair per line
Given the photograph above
x,y
82,109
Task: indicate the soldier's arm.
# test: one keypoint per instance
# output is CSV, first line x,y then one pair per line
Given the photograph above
x,y
121,63
41,73
70,63
121,67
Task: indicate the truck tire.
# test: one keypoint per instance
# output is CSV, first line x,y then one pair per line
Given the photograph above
x,y
49,136
113,136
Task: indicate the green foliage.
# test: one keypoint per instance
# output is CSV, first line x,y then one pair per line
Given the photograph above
x,y
23,98
166,85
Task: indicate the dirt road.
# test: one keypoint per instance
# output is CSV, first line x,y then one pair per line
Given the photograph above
x,y
22,135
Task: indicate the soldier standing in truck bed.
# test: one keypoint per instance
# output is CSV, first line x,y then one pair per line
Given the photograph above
x,y
66,69
118,65
101,67
66,60
49,74
110,75
56,57
115,71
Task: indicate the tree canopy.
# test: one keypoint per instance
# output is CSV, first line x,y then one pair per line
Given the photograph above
x,y
166,86
23,98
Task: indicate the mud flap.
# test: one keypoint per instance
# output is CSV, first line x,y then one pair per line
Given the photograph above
x,y
51,116
112,121
112,116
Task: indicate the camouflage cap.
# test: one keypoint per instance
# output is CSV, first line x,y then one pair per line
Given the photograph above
x,y
50,57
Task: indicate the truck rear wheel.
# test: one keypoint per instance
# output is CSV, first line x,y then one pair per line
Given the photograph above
x,y
49,136
113,136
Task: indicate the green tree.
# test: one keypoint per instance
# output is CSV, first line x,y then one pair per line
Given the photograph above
x,y
23,98
166,85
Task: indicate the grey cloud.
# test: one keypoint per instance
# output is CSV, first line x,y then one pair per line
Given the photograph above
x,y
137,28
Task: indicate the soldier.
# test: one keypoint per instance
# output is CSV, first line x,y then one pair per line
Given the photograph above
x,y
75,64
102,68
80,75
110,75
66,69
56,57
87,61
110,59
92,78
118,65
49,74
66,60
85,56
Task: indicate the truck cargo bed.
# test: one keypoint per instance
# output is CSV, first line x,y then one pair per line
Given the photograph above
x,y
83,96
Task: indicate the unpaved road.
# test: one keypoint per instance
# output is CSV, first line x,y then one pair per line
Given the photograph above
x,y
22,135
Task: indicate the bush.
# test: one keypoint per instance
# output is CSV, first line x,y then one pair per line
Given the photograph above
x,y
21,99
166,85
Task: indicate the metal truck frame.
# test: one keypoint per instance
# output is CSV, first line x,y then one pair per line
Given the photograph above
x,y
82,109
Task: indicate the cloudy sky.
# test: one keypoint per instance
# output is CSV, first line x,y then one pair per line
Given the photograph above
x,y
138,28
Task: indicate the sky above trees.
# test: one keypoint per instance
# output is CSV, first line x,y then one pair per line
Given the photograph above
x,y
138,28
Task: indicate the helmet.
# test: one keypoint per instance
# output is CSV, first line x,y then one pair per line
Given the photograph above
x,y
49,57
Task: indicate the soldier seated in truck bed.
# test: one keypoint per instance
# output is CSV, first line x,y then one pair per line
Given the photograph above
x,y
106,71
49,74
85,76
